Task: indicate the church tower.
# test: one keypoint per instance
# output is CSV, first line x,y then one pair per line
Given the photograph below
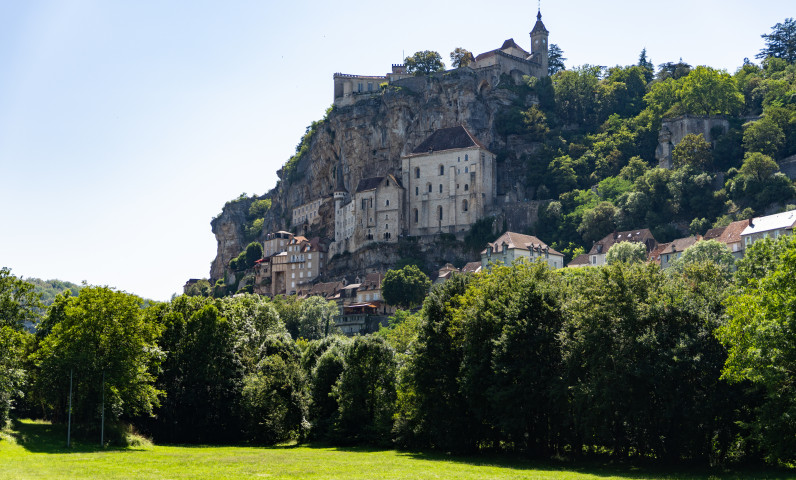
x,y
539,43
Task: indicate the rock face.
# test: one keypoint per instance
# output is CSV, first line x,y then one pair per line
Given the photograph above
x,y
368,138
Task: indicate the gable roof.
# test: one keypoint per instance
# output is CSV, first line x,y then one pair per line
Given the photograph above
x,y
675,246
372,281
580,260
471,267
729,234
373,183
451,138
510,43
642,235
519,241
785,220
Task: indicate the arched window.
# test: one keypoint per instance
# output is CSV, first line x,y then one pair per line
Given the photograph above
x,y
417,217
417,172
464,205
466,187
439,210
466,169
386,203
440,188
430,188
465,157
441,170
417,190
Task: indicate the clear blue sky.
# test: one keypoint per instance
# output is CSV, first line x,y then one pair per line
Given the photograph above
x,y
126,125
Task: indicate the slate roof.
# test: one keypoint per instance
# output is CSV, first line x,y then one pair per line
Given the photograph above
x,y
539,27
373,182
511,43
518,241
580,260
675,246
471,267
451,138
642,235
372,282
785,220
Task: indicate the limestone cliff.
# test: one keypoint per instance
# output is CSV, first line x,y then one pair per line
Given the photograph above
x,y
368,138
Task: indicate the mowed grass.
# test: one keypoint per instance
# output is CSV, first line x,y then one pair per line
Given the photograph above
x,y
38,450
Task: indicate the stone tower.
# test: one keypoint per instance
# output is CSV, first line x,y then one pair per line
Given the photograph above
x,y
539,42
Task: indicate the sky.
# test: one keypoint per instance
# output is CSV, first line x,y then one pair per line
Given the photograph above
x,y
126,126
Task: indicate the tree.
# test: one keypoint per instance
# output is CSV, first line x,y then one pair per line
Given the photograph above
x,y
316,318
274,398
202,288
626,252
781,42
707,91
461,57
763,136
202,374
406,287
699,226
13,375
254,252
365,392
646,64
110,346
597,222
706,251
18,301
673,70
555,59
759,336
424,63
693,151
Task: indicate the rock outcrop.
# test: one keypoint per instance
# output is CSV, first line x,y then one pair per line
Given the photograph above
x,y
368,138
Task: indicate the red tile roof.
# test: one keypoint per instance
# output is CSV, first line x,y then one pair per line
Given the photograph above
x,y
518,241
642,235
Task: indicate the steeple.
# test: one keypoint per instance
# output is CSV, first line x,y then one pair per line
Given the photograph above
x,y
539,43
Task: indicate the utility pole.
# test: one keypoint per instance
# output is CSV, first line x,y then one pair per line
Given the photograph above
x,y
102,428
69,422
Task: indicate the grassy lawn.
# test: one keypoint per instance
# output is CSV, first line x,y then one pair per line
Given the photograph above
x,y
38,450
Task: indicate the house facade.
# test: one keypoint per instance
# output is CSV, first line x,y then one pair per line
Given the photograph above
x,y
449,180
771,226
511,246
600,249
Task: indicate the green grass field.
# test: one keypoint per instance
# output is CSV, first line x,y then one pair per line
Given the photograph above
x,y
38,450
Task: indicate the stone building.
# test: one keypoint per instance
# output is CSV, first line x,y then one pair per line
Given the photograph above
x,y
373,214
600,248
512,246
450,183
510,59
295,267
306,215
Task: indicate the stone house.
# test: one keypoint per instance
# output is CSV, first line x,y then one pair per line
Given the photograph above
x,y
513,246
291,270
600,248
729,236
770,226
581,260
666,253
450,182
373,214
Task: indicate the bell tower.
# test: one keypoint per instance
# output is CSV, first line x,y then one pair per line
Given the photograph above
x,y
539,43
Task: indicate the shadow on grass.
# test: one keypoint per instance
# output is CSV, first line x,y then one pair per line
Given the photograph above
x,y
43,437
596,466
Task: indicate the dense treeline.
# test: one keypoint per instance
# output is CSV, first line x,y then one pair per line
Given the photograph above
x,y
691,363
596,171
